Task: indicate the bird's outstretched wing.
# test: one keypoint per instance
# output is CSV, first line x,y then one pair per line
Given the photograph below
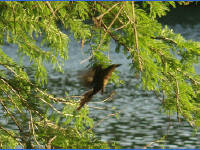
x,y
86,77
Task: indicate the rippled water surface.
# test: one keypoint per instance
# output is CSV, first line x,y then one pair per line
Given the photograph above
x,y
141,120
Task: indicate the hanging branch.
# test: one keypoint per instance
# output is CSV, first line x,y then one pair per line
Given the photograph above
x,y
179,110
177,101
136,36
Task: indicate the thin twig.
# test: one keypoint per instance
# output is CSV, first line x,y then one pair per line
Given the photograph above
x,y
61,100
99,108
107,99
131,20
59,112
106,117
108,28
33,129
83,61
124,25
164,39
157,141
194,81
114,37
48,145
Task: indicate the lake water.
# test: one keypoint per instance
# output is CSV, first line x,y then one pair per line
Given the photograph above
x,y
141,120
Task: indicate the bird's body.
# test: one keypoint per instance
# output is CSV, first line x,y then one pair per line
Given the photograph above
x,y
97,78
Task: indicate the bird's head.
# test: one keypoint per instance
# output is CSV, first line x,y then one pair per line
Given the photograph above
x,y
114,66
117,65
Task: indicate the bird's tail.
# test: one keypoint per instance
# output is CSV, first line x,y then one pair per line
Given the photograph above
x,y
86,98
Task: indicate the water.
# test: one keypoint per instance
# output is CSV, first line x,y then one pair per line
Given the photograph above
x,y
141,120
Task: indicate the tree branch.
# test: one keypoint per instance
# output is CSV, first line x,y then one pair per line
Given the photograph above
x,y
136,37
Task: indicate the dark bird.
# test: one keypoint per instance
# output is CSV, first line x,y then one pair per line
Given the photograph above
x,y
97,79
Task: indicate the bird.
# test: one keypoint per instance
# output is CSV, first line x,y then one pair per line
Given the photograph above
x,y
96,79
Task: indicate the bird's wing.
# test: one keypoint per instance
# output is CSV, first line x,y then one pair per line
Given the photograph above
x,y
86,77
